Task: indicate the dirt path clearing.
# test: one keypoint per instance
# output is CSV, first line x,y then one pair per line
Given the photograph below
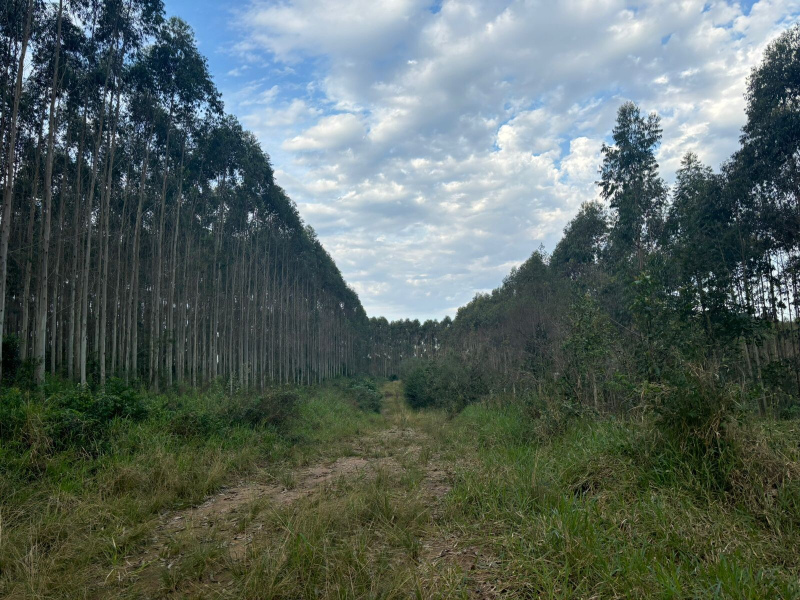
x,y
229,529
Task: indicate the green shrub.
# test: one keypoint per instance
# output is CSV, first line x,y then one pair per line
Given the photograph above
x,y
780,383
128,404
67,428
549,415
69,417
11,357
456,384
695,416
276,408
694,408
418,384
79,417
367,396
115,402
12,413
444,383
25,374
189,423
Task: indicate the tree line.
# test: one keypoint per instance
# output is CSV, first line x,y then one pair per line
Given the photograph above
x,y
143,235
653,279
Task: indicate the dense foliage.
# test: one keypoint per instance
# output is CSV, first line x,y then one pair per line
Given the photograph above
x,y
448,383
76,419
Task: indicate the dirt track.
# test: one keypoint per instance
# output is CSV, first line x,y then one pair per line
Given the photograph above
x,y
224,524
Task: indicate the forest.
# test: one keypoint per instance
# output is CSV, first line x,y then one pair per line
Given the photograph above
x,y
143,234
194,403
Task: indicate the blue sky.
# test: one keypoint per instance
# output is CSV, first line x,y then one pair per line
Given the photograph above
x,y
435,145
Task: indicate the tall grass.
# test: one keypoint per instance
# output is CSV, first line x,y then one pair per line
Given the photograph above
x,y
72,507
525,498
604,510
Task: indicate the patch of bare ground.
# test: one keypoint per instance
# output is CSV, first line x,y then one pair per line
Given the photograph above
x,y
440,551
222,519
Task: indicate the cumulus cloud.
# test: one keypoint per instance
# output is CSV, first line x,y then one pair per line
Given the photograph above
x,y
330,133
434,146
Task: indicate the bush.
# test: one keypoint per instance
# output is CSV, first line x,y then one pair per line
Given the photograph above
x,y
276,408
11,357
367,396
189,423
418,385
78,417
549,415
456,384
780,383
69,417
103,406
25,376
445,383
67,428
694,426
12,413
694,409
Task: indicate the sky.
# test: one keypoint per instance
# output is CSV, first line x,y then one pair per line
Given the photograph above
x,y
435,144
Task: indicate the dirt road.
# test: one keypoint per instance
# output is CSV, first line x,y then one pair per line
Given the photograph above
x,y
373,510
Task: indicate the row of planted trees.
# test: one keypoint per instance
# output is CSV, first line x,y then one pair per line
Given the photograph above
x,y
658,279
143,235
389,343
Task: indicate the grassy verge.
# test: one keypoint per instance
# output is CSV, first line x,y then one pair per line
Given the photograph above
x,y
72,508
598,511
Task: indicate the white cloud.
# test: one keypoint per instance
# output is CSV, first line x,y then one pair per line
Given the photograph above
x,y
335,27
330,133
432,150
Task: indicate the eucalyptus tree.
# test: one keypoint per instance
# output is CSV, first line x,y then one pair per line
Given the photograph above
x,y
17,26
152,241
47,204
630,183
770,160
583,243
182,83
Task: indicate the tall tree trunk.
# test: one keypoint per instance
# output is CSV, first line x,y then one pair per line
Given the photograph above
x,y
84,332
170,350
158,268
132,364
29,239
55,356
74,311
8,192
104,249
47,212
122,236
